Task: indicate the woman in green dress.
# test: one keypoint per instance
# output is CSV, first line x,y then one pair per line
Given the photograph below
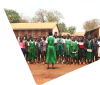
x,y
89,49
64,37
74,51
60,45
32,51
68,49
51,51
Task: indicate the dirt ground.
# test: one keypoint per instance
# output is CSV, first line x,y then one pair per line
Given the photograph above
x,y
42,75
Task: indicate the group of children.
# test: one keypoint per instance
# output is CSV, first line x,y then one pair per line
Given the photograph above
x,y
55,49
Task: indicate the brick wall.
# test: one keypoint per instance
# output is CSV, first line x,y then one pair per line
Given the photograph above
x,y
16,32
29,32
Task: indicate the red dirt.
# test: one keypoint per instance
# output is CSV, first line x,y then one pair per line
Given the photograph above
x,y
43,75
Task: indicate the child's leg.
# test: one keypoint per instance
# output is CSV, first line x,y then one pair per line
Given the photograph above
x,y
70,60
47,65
87,61
66,59
73,60
62,57
76,60
45,55
52,64
38,55
57,58
96,58
84,60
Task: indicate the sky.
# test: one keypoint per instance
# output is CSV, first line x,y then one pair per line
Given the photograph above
x,y
75,12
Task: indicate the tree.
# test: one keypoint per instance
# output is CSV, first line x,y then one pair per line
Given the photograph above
x,y
62,27
91,24
71,30
40,16
12,15
47,16
54,16
23,21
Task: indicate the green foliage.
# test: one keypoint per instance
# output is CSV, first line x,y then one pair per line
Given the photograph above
x,y
12,15
71,30
54,16
62,27
23,21
47,16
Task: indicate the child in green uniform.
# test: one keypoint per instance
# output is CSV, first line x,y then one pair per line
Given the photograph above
x,y
60,45
51,51
64,37
55,35
68,49
89,49
32,51
74,51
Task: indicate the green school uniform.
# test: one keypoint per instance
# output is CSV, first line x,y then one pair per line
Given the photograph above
x,y
59,47
89,55
32,52
67,48
74,49
51,52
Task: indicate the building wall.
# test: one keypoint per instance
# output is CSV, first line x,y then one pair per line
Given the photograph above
x,y
96,32
34,33
55,29
22,32
15,32
42,33
29,32
99,32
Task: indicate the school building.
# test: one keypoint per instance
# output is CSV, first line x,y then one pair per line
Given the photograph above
x,y
94,32
35,28
79,34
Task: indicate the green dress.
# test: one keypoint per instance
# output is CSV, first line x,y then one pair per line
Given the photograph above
x,y
51,51
59,47
89,55
67,48
32,52
74,49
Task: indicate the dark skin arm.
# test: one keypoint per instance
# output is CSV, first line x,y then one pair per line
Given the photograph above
x,y
56,46
77,49
64,47
71,49
36,49
58,41
28,48
46,46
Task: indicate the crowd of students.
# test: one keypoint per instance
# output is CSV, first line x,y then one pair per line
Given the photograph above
x,y
58,49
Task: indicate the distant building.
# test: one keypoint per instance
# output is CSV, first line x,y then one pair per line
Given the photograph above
x,y
94,32
79,34
35,28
